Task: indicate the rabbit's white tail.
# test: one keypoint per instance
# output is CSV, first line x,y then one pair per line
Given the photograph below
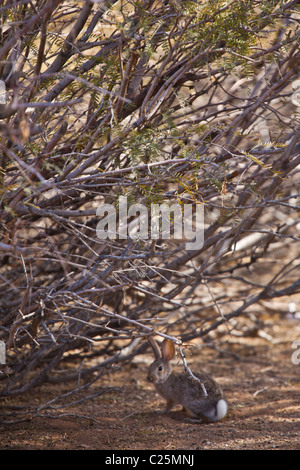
x,y
222,408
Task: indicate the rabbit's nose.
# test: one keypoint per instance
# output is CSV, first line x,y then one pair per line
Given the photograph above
x,y
149,378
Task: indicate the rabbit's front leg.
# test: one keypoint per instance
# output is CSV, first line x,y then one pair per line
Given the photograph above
x,y
169,406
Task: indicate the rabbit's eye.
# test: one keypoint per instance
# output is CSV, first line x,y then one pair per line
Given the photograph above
x,y
160,368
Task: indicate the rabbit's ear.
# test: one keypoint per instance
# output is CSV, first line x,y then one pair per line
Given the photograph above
x,y
168,349
154,347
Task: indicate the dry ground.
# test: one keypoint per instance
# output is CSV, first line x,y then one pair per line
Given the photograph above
x,y
257,374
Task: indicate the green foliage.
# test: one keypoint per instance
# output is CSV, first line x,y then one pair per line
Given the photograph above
x,y
143,146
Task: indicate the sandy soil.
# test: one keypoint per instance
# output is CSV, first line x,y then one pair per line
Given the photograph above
x,y
260,380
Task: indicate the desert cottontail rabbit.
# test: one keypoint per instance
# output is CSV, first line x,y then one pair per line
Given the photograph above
x,y
183,389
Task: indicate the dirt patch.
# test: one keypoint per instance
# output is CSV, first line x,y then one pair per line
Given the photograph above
x,y
259,378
